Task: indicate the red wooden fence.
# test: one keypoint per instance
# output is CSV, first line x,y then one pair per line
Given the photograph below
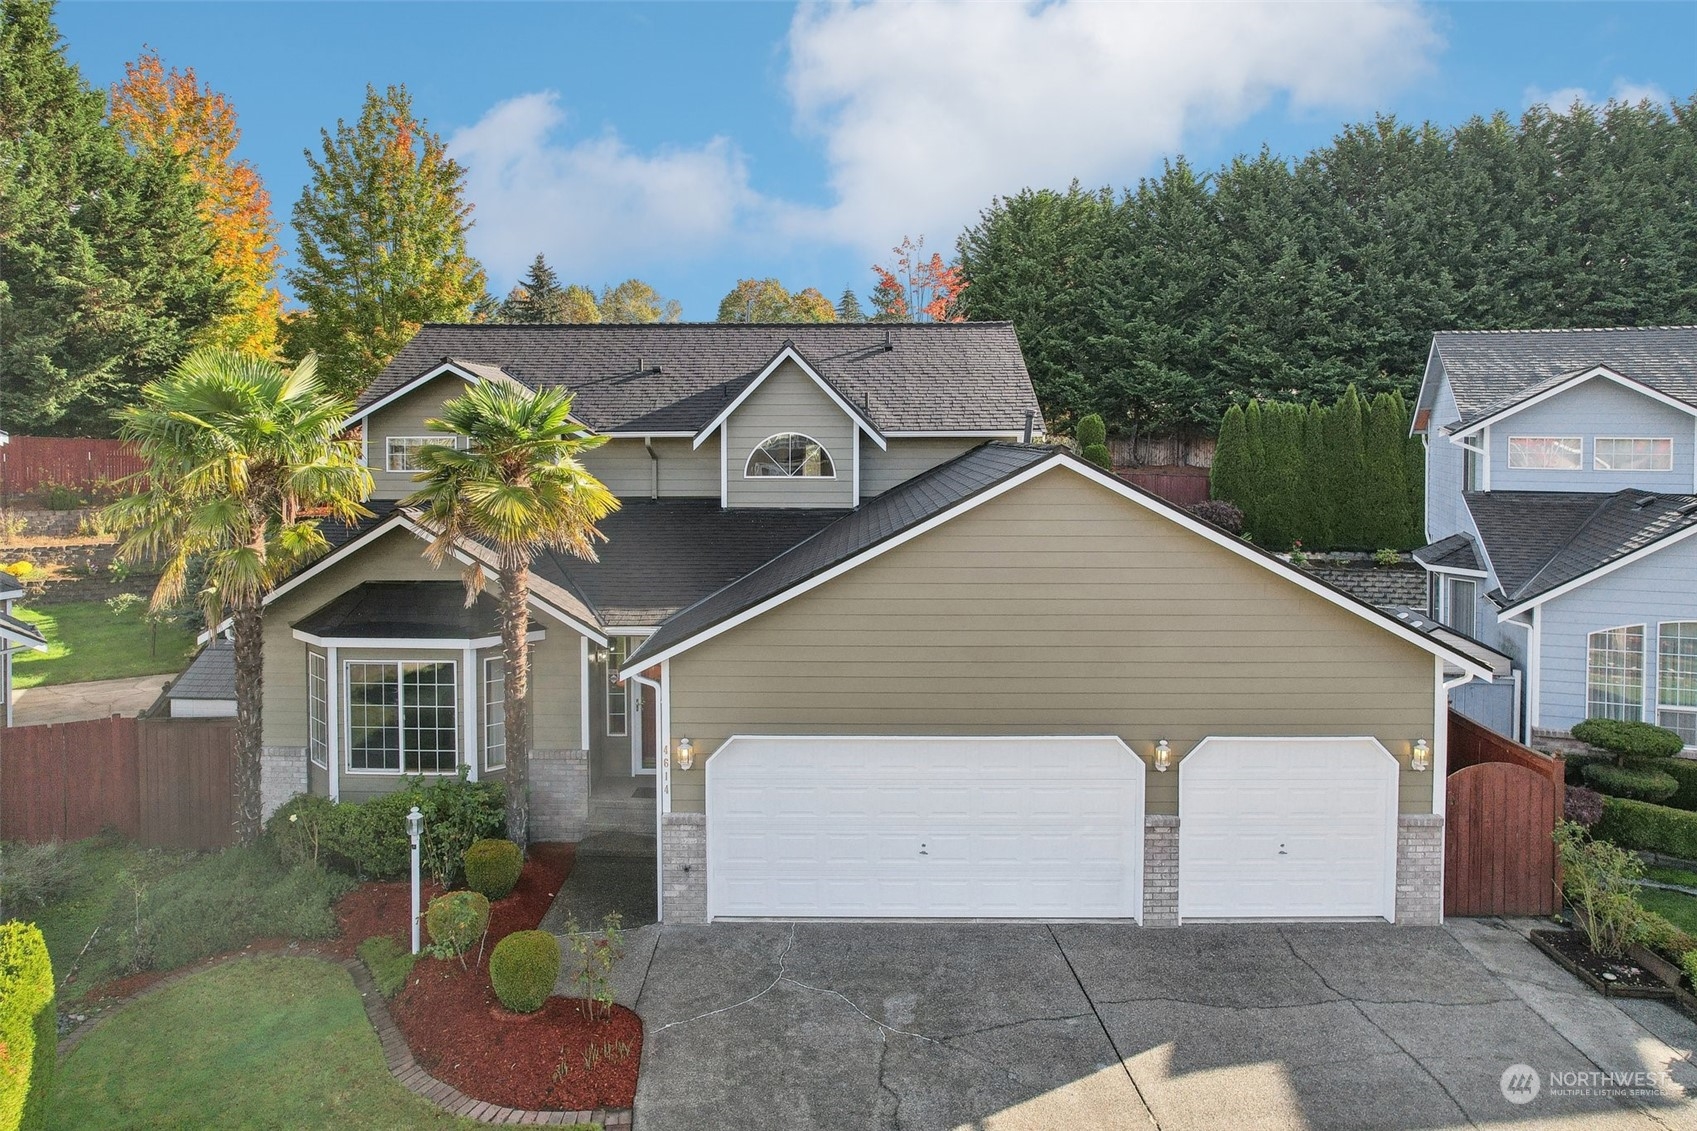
x,y
29,462
1503,801
1185,486
163,782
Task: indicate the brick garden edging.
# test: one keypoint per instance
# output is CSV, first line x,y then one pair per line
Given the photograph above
x,y
396,1055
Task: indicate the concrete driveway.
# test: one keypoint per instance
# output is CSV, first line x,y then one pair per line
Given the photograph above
x,y
98,699
1014,1026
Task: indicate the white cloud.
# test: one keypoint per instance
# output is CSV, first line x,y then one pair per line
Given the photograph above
x,y
593,205
1624,90
928,110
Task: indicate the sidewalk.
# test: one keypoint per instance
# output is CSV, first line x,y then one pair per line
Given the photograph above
x,y
73,702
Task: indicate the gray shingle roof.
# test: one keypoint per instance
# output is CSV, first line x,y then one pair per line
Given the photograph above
x,y
20,631
1540,540
888,514
1489,370
406,610
661,556
10,587
675,377
1454,552
212,675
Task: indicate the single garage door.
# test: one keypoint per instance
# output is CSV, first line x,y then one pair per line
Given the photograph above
x,y
1287,828
935,827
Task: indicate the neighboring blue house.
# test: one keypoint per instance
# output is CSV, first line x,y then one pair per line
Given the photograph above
x,y
1561,501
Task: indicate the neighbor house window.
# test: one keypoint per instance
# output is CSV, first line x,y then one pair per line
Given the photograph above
x,y
790,454
1545,453
317,710
618,694
1676,679
1472,469
403,451
402,717
1462,605
1627,453
494,713
1614,674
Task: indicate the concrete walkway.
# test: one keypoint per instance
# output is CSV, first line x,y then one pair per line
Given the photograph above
x,y
998,1027
73,702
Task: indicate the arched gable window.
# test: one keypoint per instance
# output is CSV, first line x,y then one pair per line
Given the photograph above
x,y
790,455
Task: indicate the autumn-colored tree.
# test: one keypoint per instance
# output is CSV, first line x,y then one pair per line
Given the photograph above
x,y
635,301
768,300
155,110
919,289
811,305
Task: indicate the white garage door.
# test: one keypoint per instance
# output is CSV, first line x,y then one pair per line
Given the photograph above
x,y
1287,828
933,827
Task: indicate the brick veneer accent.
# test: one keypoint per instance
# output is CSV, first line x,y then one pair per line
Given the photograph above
x,y
1419,870
1160,870
683,855
282,775
559,794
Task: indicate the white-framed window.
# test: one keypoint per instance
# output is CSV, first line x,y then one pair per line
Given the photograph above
x,y
1546,453
403,717
1614,674
1461,604
1632,453
1676,678
494,713
402,451
618,694
317,710
791,455
1472,469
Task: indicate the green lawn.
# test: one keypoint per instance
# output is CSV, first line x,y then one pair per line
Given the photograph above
x,y
86,640
1672,875
1676,907
261,1042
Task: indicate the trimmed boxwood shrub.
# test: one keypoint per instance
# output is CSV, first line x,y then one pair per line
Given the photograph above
x,y
1664,938
457,920
1648,828
1684,772
1631,740
524,968
1575,763
28,1027
492,867
1637,783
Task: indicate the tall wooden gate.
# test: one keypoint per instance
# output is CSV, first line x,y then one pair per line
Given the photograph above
x,y
1499,858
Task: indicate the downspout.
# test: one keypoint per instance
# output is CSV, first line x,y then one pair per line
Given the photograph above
x,y
648,446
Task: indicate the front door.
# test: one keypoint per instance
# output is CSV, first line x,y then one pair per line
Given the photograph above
x,y
645,744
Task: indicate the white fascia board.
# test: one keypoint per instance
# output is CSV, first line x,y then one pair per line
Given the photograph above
x,y
1458,571
1068,462
1601,571
447,367
427,643
345,550
1577,379
1420,399
788,353
648,435
32,643
631,630
959,434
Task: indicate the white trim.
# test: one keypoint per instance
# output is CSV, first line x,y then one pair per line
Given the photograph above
x,y
348,723
389,451
468,713
32,643
1534,666
1577,379
663,803
724,467
1668,440
323,676
1070,463
427,644
447,367
648,435
583,693
1485,461
607,730
788,353
962,434
856,464
1601,571
637,769
1440,738
488,704
754,451
333,701
1454,569
632,629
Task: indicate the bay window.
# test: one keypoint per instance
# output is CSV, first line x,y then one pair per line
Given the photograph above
x,y
403,717
1676,679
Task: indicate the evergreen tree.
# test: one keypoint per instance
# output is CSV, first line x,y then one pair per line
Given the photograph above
x,y
108,269
1385,491
1315,514
1346,472
1228,478
849,308
538,297
381,242
1281,482
1255,505
1414,479
1092,437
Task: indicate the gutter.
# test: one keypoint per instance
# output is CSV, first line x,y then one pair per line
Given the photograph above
x,y
648,446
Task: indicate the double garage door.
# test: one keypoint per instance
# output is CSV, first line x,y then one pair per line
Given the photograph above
x,y
1044,827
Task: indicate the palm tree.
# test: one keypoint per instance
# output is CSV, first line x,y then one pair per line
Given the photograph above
x,y
244,459
515,487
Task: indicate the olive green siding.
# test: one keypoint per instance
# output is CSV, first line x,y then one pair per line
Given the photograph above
x,y
789,401
1057,608
684,472
396,556
404,417
881,469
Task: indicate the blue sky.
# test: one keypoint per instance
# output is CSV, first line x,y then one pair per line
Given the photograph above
x,y
693,144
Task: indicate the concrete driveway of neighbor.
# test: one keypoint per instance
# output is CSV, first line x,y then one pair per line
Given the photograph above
x,y
97,699
1008,1027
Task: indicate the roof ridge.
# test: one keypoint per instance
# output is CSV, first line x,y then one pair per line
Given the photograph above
x,y
1573,329
1596,513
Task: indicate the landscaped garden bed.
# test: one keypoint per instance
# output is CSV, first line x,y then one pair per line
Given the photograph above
x,y
1612,977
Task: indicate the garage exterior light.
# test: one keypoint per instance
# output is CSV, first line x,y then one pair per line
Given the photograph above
x,y
1163,756
1421,759
686,754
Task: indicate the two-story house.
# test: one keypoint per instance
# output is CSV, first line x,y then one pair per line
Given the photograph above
x,y
1561,496
857,644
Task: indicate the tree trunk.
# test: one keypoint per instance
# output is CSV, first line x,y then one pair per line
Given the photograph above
x,y
515,623
250,677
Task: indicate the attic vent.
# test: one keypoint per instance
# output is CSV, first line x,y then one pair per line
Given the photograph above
x,y
1688,508
1644,502
889,344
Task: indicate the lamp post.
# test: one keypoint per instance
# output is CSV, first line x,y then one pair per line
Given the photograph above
x,y
415,829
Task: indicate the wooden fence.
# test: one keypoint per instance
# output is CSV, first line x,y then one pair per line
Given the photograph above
x,y
1503,801
163,782
1185,486
29,462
